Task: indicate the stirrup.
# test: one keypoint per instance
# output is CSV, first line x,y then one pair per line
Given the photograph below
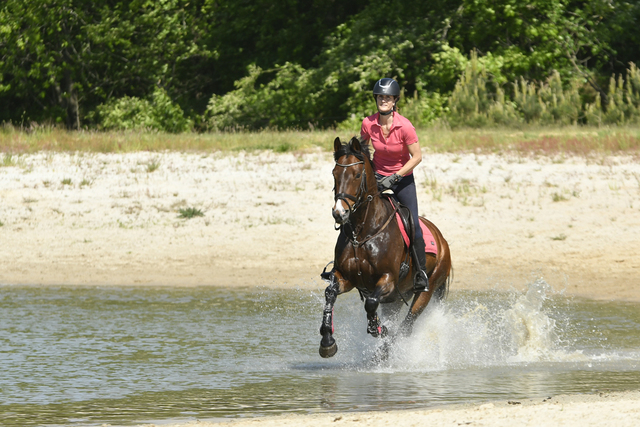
x,y
420,282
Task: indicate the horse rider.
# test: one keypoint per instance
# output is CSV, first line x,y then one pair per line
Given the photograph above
x,y
397,153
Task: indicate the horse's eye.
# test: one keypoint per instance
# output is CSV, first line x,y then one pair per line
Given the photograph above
x,y
358,175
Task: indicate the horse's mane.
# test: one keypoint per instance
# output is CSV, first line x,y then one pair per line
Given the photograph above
x,y
347,149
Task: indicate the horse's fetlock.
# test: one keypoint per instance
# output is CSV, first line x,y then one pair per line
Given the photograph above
x,y
375,329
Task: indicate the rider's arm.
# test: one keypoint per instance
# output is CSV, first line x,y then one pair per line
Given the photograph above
x,y
416,158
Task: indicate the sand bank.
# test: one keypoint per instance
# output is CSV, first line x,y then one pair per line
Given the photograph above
x,y
114,219
602,409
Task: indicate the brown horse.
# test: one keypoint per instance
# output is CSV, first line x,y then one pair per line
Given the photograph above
x,y
370,254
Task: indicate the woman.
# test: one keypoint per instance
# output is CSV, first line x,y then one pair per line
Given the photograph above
x,y
397,153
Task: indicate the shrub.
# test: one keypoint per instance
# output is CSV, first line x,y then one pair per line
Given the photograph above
x,y
132,113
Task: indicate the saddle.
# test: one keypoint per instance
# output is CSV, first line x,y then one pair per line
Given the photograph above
x,y
404,218
407,226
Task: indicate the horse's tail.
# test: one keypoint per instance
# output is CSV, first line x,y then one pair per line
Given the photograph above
x,y
443,291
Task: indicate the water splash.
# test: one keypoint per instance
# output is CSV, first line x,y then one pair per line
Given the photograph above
x,y
533,333
484,331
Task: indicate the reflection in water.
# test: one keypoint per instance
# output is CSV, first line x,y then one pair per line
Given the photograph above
x,y
74,355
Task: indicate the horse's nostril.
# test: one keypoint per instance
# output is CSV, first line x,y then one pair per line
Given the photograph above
x,y
338,216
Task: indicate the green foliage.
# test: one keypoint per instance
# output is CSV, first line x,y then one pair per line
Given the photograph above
x,y
59,59
285,101
131,113
477,101
191,212
176,65
623,106
624,98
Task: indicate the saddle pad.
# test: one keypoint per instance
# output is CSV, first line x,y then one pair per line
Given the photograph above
x,y
429,242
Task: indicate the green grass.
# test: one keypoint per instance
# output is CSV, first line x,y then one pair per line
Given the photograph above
x,y
153,166
188,213
526,141
557,197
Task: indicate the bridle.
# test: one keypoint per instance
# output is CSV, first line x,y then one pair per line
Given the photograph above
x,y
359,199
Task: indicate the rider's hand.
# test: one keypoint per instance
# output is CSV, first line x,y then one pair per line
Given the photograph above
x,y
389,181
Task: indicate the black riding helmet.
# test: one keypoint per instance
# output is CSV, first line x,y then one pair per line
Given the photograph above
x,y
386,86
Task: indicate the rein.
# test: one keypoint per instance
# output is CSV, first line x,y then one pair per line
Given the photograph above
x,y
359,200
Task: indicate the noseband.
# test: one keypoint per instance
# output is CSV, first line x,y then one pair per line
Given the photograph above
x,y
358,200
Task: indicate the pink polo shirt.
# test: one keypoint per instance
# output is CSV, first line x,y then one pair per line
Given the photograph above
x,y
390,153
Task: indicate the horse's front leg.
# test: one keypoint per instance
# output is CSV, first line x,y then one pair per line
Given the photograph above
x,y
337,286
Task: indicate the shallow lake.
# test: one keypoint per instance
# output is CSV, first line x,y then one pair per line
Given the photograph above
x,y
128,355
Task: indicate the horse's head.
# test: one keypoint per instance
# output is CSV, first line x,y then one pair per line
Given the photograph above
x,y
350,178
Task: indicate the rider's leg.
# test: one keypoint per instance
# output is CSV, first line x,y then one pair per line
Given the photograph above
x,y
405,191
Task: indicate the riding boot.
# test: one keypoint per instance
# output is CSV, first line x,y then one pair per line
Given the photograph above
x,y
421,280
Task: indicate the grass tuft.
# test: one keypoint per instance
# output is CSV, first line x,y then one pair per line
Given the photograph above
x,y
557,197
7,160
188,213
560,237
152,166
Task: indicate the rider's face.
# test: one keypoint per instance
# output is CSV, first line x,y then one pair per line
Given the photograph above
x,y
385,103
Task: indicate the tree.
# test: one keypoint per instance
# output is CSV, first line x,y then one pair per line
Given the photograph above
x,y
43,48
58,55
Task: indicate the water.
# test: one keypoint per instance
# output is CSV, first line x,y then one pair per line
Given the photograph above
x,y
127,355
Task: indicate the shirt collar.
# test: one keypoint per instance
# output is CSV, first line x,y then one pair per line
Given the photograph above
x,y
396,123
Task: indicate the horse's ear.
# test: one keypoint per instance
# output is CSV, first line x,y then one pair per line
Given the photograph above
x,y
355,144
337,145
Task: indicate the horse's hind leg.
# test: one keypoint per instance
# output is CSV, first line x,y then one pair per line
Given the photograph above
x,y
420,301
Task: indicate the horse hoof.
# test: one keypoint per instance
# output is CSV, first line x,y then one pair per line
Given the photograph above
x,y
330,351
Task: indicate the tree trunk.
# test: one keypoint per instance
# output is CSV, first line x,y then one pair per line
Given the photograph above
x,y
71,101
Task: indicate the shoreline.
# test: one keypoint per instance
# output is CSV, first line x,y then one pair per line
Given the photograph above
x,y
620,409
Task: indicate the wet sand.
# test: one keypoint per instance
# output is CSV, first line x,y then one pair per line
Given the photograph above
x,y
601,409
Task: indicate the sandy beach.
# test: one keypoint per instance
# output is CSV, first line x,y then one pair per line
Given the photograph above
x,y
101,219
114,219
